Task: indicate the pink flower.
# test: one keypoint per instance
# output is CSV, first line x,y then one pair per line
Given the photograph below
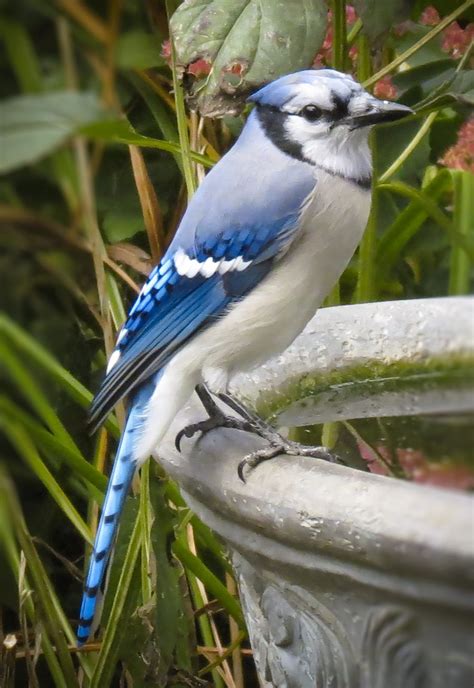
x,y
351,14
418,467
385,89
166,50
457,40
324,57
460,156
430,16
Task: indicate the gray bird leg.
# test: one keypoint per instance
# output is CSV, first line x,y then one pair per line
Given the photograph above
x,y
277,443
217,419
250,423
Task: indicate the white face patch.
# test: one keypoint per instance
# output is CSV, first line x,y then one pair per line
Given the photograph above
x,y
190,267
338,150
307,94
113,360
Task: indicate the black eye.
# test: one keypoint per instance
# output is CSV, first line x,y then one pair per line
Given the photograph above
x,y
311,113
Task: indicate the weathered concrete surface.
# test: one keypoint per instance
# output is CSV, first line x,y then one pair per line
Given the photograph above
x,y
347,579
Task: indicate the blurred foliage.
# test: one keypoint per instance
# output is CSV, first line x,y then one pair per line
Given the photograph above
x,y
101,155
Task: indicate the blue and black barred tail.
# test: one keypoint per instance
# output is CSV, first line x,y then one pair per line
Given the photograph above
x,y
117,490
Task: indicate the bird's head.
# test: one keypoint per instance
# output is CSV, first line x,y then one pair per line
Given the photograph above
x,y
324,117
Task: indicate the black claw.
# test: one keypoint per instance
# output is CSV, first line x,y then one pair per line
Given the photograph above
x,y
177,440
240,470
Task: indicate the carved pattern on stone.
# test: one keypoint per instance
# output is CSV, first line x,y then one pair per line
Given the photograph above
x,y
299,643
295,644
392,655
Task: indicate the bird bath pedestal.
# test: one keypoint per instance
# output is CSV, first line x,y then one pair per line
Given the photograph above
x,y
347,579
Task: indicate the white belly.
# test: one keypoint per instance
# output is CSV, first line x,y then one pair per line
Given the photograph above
x,y
268,319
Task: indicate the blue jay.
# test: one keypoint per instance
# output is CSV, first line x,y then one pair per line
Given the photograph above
x,y
264,239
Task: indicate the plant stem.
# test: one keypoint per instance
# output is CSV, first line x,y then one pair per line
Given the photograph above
x,y
182,124
460,268
395,166
339,34
366,290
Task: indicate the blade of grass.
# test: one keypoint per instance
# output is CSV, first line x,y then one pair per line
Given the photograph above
x,y
27,450
152,216
339,34
9,546
145,518
115,630
229,651
37,354
408,223
200,600
366,289
210,580
457,238
181,120
461,264
52,615
21,55
236,638
34,396
87,19
121,131
94,480
204,534
408,150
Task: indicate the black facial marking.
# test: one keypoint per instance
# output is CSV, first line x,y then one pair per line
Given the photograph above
x,y
340,110
363,182
273,122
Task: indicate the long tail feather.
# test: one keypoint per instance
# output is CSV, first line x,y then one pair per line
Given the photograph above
x,y
117,490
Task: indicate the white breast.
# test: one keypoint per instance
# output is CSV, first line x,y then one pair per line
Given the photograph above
x,y
267,320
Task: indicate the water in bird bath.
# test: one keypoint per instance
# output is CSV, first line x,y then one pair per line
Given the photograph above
x,y
433,449
413,420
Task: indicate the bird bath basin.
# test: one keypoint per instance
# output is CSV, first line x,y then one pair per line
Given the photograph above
x,y
350,577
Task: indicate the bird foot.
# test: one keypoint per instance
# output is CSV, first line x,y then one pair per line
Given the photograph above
x,y
217,420
249,422
280,445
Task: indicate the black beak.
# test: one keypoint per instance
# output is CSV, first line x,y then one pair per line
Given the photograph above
x,y
381,111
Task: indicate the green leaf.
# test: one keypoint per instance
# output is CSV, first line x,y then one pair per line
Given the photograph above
x,y
247,43
37,354
391,141
379,17
454,91
122,224
21,55
172,624
121,131
124,596
32,126
138,50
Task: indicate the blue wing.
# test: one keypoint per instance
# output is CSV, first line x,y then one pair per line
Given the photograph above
x,y
238,223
